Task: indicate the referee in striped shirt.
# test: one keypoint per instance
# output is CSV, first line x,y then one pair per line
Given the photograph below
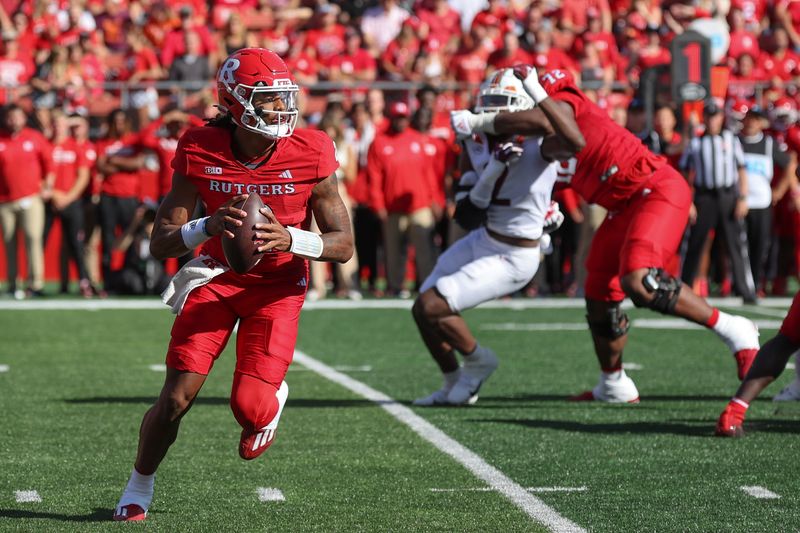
x,y
714,164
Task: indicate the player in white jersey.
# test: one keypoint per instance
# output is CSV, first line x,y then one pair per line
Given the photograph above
x,y
506,208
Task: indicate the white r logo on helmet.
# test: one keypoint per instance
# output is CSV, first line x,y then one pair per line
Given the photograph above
x,y
227,70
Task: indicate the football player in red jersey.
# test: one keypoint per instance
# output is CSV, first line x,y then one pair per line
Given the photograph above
x,y
634,251
252,147
767,366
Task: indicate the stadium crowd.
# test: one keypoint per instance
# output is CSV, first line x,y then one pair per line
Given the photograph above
x,y
97,93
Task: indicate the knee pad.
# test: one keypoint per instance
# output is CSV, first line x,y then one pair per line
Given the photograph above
x,y
253,401
614,326
664,288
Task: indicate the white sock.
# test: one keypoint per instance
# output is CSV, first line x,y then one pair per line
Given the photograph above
x,y
723,324
139,490
613,376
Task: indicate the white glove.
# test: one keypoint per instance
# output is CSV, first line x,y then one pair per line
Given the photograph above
x,y
530,81
465,122
552,219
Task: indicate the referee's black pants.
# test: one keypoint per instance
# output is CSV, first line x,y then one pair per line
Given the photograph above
x,y
759,237
715,210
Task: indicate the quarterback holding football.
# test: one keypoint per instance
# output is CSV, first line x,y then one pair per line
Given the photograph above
x,y
249,153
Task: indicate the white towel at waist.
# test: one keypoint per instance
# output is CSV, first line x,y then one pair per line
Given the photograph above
x,y
194,274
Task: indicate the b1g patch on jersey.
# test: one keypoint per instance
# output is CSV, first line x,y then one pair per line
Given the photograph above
x,y
216,171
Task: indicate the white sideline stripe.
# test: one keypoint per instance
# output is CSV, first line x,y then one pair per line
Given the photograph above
x,y
529,489
790,366
531,505
27,496
340,368
158,368
632,366
4,368
761,493
642,323
266,494
777,313
387,303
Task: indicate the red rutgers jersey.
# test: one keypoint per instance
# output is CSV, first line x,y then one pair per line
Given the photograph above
x,y
614,164
284,182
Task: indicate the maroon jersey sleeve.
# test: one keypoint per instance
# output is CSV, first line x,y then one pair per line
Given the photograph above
x,y
327,163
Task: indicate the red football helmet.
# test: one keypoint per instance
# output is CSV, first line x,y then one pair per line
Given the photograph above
x,y
252,71
738,110
783,113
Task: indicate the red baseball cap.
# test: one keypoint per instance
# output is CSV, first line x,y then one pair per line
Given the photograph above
x,y
399,109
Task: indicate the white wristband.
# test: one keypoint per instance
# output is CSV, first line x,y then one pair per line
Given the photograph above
x,y
194,233
485,122
535,90
305,243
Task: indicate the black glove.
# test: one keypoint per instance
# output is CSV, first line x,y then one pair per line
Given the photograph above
x,y
468,215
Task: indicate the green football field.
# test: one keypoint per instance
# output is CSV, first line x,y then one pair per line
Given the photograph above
x,y
351,453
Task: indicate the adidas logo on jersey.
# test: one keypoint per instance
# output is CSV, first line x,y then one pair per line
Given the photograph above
x,y
286,174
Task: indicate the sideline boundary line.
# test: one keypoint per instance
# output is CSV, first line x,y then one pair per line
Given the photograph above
x,y
518,304
535,508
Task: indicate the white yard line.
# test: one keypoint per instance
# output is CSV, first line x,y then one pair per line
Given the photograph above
x,y
535,508
4,368
535,326
777,313
639,323
761,493
632,366
340,368
266,494
386,303
158,368
27,496
529,489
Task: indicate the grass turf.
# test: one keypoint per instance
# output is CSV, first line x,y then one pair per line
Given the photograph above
x,y
79,383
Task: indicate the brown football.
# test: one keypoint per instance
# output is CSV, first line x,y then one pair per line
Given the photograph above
x,y
241,250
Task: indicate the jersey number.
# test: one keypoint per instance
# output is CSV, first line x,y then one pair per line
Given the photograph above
x,y
496,200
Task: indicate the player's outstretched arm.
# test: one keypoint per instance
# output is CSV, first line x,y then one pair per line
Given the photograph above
x,y
174,234
333,220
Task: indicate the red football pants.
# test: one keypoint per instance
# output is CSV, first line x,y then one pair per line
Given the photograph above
x,y
268,315
646,234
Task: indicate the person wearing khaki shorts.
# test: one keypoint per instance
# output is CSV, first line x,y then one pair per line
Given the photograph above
x,y
26,180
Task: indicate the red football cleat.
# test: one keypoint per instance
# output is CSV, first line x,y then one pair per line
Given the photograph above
x,y
585,396
129,513
744,360
729,425
255,442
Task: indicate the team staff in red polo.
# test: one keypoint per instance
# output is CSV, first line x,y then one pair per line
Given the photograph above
x,y
119,160
26,180
403,195
72,177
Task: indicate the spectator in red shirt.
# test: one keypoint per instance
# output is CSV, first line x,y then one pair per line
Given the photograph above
x,y
653,53
574,14
355,64
743,79
160,22
26,181
469,63
397,60
548,58
604,43
444,22
141,65
304,66
753,13
787,13
175,41
782,64
509,54
327,40
119,160
403,196
670,141
72,178
742,39
16,69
